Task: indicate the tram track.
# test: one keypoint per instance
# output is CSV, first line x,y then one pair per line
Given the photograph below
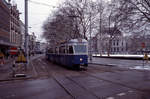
x,y
68,77
39,68
80,73
107,68
109,81
65,73
51,74
144,93
55,71
114,70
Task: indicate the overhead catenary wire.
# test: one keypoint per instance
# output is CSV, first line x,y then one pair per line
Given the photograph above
x,y
41,3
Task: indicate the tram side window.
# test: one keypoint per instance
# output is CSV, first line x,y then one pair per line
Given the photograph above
x,y
62,49
56,50
67,49
70,50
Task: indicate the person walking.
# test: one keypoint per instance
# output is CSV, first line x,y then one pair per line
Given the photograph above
x,y
146,58
1,58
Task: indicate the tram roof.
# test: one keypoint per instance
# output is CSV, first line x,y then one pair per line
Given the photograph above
x,y
77,41
73,41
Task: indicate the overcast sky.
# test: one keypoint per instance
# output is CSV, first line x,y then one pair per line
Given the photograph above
x,y
38,13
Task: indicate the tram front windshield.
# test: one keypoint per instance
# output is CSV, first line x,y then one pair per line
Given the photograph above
x,y
80,48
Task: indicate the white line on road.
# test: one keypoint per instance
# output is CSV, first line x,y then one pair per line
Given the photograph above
x,y
110,98
121,94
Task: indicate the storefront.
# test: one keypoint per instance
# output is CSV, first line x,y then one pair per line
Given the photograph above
x,y
5,47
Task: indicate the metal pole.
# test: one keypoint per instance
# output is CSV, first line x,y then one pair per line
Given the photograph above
x,y
90,39
26,30
100,31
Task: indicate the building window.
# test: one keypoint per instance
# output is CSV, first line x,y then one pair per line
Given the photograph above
x,y
114,43
117,42
117,49
114,49
111,50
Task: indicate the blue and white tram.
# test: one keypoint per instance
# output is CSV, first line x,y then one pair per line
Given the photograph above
x,y
72,54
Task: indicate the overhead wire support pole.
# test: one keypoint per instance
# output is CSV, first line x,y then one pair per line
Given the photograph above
x,y
90,39
26,31
90,33
100,27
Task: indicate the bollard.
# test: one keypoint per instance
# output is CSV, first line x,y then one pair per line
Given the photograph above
x,y
13,69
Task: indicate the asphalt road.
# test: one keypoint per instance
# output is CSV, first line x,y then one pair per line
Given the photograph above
x,y
98,82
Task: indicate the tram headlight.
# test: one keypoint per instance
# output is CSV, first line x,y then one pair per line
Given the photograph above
x,y
81,59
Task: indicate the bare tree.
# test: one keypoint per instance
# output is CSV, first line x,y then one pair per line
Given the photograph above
x,y
114,19
60,28
72,20
101,6
136,13
85,10
136,17
142,6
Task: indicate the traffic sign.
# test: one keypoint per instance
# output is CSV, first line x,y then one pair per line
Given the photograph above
x,y
13,50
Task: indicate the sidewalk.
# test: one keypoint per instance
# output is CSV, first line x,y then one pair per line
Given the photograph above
x,y
6,71
99,62
122,63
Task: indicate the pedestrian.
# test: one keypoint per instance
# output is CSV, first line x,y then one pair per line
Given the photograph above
x,y
7,55
13,69
146,57
1,58
29,54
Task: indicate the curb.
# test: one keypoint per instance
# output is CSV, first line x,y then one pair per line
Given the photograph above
x,y
119,57
18,78
103,64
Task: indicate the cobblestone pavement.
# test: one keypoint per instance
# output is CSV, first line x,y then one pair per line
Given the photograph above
x,y
97,82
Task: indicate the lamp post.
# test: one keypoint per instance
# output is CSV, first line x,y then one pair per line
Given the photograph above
x,y
26,30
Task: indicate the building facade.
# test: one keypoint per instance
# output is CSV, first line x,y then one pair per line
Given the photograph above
x,y
4,26
37,47
119,45
112,44
137,44
15,33
22,29
32,42
10,27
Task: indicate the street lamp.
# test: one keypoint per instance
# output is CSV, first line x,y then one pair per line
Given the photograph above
x,y
26,30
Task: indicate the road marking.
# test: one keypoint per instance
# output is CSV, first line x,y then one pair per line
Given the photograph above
x,y
130,91
121,94
110,98
35,72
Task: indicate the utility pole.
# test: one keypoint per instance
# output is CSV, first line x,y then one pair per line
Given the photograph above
x,y
100,25
26,31
90,39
